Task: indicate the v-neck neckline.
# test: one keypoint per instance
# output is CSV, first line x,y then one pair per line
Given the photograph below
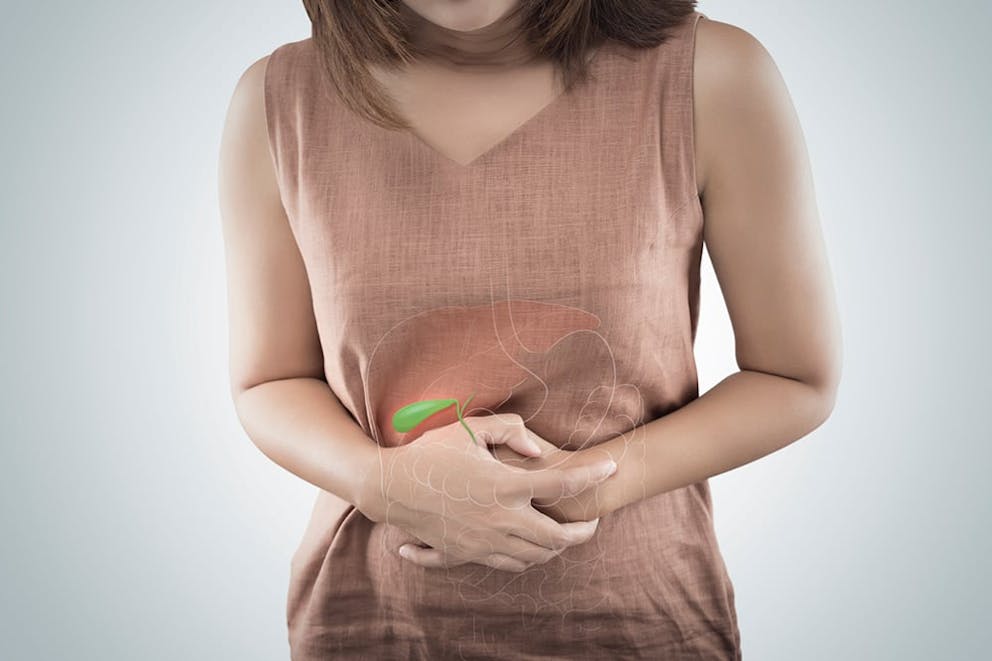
x,y
417,143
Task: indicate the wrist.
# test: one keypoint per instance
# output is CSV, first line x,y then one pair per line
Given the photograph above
x,y
367,489
599,500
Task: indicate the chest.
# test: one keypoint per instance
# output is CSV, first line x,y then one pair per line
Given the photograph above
x,y
561,197
462,115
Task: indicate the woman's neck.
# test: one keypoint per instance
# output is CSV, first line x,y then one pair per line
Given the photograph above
x,y
498,45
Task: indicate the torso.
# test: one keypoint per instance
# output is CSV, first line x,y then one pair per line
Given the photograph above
x,y
554,274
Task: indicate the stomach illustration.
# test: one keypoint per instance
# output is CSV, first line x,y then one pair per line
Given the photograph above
x,y
544,361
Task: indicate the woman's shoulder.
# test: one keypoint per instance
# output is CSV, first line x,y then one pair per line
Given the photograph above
x,y
292,56
290,70
268,86
726,49
297,47
700,34
279,64
738,91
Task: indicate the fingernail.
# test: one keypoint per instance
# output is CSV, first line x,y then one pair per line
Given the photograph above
x,y
611,468
534,446
404,553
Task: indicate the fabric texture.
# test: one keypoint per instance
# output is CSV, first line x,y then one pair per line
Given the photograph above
x,y
555,276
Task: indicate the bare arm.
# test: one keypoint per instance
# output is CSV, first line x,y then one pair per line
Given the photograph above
x,y
763,235
276,362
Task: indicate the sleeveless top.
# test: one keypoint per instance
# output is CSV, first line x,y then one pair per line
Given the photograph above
x,y
555,276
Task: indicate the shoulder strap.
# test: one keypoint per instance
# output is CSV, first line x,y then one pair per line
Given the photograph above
x,y
675,70
289,104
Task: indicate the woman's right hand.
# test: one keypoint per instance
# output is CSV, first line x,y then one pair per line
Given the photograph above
x,y
453,494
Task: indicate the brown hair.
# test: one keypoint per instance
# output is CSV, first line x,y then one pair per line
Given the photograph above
x,y
348,34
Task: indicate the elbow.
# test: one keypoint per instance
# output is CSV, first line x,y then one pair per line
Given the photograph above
x,y
825,387
239,390
237,398
243,381
828,399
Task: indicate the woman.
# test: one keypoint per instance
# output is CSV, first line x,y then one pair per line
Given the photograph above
x,y
503,205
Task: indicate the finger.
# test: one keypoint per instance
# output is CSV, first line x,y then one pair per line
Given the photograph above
x,y
571,534
525,550
582,530
426,556
505,563
509,457
435,559
554,483
545,532
506,429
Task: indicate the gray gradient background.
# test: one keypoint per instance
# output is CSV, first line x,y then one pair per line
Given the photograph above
x,y
140,522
